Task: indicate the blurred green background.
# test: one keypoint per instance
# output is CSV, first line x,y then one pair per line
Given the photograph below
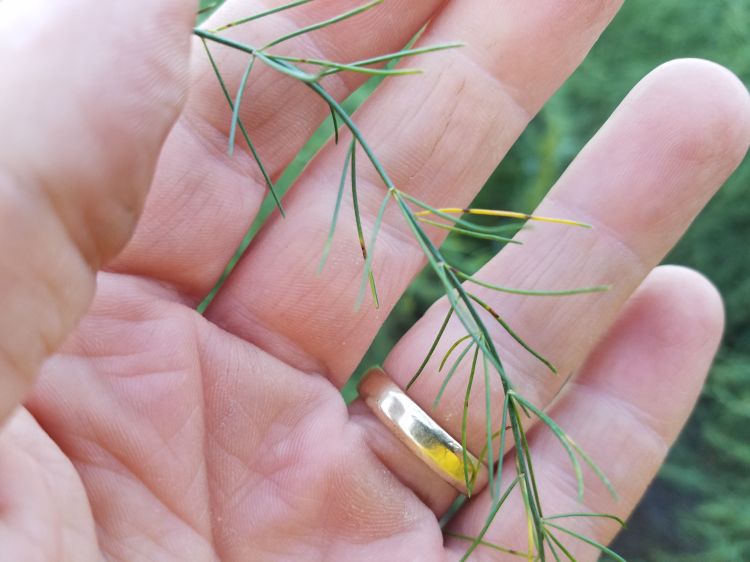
x,y
698,509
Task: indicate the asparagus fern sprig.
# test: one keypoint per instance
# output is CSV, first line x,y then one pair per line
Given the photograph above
x,y
465,306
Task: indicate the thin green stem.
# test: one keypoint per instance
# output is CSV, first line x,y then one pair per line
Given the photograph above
x,y
501,447
460,301
523,466
491,481
286,68
210,36
335,123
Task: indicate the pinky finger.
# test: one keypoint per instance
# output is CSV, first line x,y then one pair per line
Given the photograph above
x,y
625,409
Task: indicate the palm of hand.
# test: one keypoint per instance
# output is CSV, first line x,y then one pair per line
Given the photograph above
x,y
175,436
192,442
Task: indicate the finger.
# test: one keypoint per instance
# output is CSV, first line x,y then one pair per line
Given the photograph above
x,y
199,187
625,409
439,139
640,182
73,174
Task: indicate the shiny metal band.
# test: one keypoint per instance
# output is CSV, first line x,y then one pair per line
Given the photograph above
x,y
420,433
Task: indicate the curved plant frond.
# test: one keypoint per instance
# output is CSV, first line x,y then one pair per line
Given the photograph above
x,y
465,309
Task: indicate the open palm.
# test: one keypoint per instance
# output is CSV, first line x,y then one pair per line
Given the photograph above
x,y
155,433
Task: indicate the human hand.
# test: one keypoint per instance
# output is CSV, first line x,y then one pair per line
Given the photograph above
x,y
155,433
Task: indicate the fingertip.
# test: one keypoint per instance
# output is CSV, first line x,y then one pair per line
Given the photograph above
x,y
660,349
686,307
706,106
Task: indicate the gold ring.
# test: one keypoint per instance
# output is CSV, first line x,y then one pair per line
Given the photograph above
x,y
421,434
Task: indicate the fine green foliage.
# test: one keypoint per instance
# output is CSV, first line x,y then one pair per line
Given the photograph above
x,y
462,302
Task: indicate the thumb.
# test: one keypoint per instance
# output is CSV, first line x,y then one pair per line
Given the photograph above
x,y
90,91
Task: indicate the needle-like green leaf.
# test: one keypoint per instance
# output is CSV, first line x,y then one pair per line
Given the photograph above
x,y
561,437
243,130
336,210
432,349
583,538
358,221
325,23
238,104
512,333
593,466
261,15
532,478
397,55
553,549
468,478
457,219
501,447
451,349
492,478
614,518
495,508
472,233
488,544
208,8
555,541
505,214
571,447
335,122
340,66
581,291
286,68
450,374
536,528
368,275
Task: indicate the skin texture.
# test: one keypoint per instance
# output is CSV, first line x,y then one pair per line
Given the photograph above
x,y
148,432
